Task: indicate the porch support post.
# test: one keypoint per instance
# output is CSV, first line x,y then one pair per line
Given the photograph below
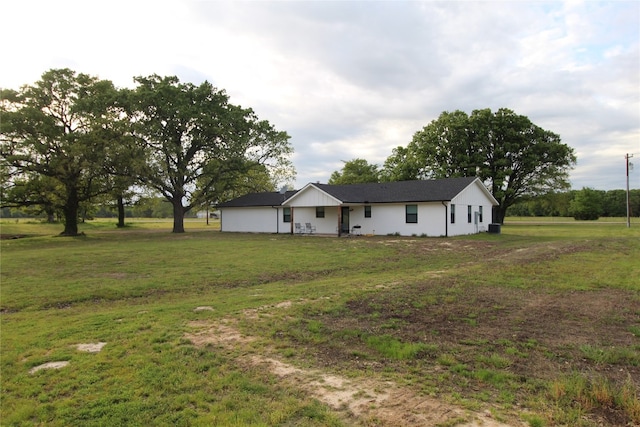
x,y
339,220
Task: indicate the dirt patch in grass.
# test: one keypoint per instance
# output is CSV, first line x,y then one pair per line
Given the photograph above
x,y
488,340
512,348
87,348
364,401
219,333
203,308
91,347
558,322
374,402
49,365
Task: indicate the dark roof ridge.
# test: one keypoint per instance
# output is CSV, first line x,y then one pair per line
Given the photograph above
x,y
272,198
444,189
434,180
411,191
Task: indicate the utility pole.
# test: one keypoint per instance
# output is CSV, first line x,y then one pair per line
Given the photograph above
x,y
627,157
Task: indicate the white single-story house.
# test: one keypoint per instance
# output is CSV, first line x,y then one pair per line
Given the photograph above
x,y
441,207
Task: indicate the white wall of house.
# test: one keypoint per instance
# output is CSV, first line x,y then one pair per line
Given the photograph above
x,y
264,219
434,218
480,218
391,219
385,219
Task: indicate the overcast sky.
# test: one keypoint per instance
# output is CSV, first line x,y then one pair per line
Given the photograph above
x,y
354,79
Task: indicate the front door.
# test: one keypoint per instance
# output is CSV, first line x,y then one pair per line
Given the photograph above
x,y
344,222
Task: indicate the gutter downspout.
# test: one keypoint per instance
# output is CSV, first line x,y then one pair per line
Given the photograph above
x,y
446,218
277,219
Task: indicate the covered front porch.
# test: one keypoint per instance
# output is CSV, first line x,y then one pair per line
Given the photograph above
x,y
337,220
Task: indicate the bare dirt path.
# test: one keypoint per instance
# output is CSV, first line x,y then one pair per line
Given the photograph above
x,y
365,401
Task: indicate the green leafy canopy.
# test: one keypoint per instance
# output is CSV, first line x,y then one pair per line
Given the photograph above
x,y
514,157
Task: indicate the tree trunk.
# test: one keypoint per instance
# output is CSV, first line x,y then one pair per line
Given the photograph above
x,y
71,213
178,216
498,213
120,212
51,214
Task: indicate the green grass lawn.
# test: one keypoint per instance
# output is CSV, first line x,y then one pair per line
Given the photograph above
x,y
540,324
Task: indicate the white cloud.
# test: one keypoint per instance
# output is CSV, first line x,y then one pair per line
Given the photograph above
x,y
356,79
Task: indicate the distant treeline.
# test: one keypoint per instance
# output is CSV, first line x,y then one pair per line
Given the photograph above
x,y
611,203
152,207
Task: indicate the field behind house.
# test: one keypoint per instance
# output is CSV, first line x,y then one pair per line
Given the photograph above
x,y
538,326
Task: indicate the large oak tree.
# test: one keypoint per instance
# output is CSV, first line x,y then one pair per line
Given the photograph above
x,y
196,142
514,157
56,137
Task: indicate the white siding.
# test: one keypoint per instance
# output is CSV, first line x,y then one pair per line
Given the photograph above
x,y
434,218
253,220
311,196
385,219
475,197
391,219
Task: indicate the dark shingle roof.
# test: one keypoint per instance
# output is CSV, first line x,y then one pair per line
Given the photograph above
x,y
435,190
400,191
257,199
